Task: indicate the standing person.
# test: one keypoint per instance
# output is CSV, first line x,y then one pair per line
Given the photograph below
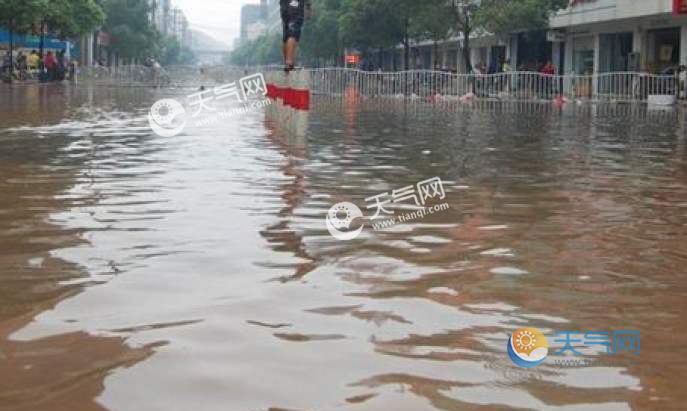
x,y
507,68
293,13
22,65
6,64
61,67
33,60
548,70
50,65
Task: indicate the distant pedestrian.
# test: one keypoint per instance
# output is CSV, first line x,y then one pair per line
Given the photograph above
x,y
6,64
548,70
50,64
22,66
33,60
507,69
62,63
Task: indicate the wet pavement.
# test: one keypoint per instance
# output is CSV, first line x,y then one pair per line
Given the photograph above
x,y
140,272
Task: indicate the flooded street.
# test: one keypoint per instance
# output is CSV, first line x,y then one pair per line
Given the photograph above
x,y
196,272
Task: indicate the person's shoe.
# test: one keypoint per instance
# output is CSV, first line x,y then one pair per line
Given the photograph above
x,y
289,68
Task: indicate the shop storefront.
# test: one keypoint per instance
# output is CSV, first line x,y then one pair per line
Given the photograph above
x,y
615,52
622,35
583,54
663,49
26,43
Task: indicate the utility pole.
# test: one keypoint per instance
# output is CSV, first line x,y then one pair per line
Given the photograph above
x,y
11,51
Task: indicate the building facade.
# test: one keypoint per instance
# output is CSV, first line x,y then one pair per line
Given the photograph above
x,y
170,21
590,36
252,21
259,19
597,36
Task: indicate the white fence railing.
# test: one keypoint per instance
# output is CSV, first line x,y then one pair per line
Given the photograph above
x,y
512,85
622,86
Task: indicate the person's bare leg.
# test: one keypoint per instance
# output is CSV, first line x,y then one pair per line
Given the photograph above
x,y
283,51
291,46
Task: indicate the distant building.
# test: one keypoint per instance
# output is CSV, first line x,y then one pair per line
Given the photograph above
x,y
273,17
589,36
170,21
258,19
620,35
250,15
255,30
179,27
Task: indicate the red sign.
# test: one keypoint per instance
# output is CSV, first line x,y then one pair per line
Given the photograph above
x,y
680,6
352,59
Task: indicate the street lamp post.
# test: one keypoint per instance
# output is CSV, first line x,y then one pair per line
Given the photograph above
x,y
11,51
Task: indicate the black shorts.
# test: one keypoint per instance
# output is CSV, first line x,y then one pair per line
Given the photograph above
x,y
292,16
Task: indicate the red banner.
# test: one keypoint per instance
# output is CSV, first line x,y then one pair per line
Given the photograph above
x,y
352,59
680,6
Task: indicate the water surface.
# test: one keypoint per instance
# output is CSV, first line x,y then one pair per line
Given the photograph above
x,y
196,272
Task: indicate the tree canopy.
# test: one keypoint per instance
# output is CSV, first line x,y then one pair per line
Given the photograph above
x,y
67,18
21,15
371,25
133,35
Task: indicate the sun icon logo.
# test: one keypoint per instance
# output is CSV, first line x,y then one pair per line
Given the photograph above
x,y
527,347
525,340
162,115
340,216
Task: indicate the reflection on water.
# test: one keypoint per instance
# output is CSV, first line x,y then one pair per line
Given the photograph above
x,y
135,266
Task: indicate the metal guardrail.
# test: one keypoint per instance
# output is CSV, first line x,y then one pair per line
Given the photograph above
x,y
522,85
171,76
512,85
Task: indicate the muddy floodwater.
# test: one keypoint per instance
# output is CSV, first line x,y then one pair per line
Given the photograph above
x,y
196,272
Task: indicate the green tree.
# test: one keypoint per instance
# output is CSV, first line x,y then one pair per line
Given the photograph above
x,y
73,18
171,52
266,49
20,16
371,24
463,13
432,22
133,35
321,32
501,17
70,18
408,12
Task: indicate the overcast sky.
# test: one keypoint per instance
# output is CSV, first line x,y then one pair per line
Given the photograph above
x,y
219,18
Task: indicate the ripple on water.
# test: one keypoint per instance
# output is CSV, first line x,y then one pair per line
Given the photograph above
x,y
207,253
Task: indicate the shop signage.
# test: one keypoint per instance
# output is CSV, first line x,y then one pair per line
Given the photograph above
x,y
680,6
352,59
555,36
